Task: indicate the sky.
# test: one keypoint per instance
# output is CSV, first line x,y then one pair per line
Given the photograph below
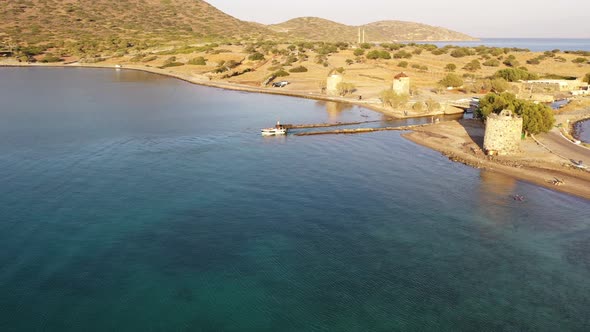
x,y
498,18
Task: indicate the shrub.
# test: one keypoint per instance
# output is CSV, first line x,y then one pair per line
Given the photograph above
x,y
499,85
514,75
511,62
579,60
345,88
349,61
280,73
402,55
491,63
172,64
257,56
418,107
378,54
432,105
150,58
393,99
461,52
533,61
359,52
198,61
299,69
451,80
403,64
451,67
49,58
439,51
366,46
587,78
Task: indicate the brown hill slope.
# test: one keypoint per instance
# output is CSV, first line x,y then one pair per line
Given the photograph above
x,y
312,28
48,20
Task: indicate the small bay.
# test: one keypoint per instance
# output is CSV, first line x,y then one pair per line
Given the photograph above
x,y
136,202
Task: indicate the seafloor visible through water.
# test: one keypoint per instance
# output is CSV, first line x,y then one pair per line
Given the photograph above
x,y
134,202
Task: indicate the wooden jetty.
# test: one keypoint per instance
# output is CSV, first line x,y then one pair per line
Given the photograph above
x,y
361,130
326,125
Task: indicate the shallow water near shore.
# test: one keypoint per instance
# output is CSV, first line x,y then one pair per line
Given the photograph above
x,y
136,202
583,131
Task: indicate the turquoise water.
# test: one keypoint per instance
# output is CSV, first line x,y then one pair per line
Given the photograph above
x,y
533,44
134,202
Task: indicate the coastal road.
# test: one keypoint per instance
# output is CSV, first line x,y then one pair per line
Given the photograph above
x,y
562,146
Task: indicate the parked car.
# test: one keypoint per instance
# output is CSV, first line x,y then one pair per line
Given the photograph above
x,y
280,84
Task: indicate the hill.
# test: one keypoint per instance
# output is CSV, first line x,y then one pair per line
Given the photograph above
x,y
35,21
318,29
98,26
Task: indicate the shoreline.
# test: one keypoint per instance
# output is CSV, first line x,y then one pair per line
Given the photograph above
x,y
228,86
424,136
454,140
193,79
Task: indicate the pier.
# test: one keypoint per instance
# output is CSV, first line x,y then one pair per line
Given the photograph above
x,y
361,130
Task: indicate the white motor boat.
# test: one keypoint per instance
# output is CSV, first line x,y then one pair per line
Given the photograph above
x,y
279,129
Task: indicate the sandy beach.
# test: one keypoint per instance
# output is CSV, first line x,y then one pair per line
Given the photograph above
x,y
461,141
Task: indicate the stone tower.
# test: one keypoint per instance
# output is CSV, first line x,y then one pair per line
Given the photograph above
x,y
503,133
401,84
332,84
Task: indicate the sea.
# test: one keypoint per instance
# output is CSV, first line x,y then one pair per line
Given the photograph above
x,y
135,202
533,44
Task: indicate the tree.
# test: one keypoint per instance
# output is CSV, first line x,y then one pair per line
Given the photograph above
x,y
537,118
393,99
451,80
345,88
450,67
472,66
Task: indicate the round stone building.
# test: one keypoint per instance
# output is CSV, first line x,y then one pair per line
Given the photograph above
x,y
332,84
503,133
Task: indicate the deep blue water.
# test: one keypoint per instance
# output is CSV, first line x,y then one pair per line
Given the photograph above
x,y
533,44
134,202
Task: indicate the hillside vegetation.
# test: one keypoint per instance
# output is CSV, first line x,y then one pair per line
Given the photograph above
x,y
95,26
37,21
318,29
